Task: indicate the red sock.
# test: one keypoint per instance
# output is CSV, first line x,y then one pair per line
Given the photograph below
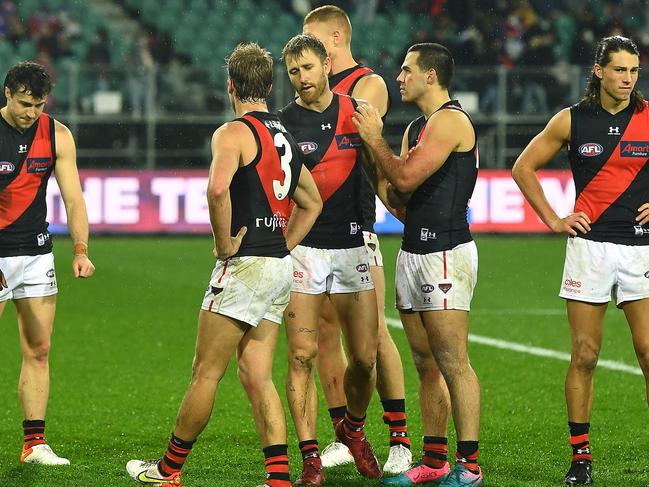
x,y
394,416
354,427
435,451
33,432
467,455
337,415
310,450
277,472
175,456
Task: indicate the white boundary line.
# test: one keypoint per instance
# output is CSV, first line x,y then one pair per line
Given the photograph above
x,y
539,352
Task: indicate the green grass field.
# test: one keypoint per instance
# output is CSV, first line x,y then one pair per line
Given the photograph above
x,y
123,346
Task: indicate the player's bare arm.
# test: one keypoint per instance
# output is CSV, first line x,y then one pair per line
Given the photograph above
x,y
643,215
446,131
396,198
373,90
308,205
67,177
537,155
227,143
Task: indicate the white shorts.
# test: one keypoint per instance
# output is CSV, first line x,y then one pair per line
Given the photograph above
x,y
250,289
596,272
373,249
437,281
332,271
28,276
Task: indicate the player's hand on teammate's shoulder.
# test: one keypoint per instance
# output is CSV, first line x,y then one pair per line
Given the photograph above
x,y
572,224
228,249
3,281
367,120
643,215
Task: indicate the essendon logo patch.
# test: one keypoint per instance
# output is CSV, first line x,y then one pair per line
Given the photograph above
x,y
38,164
445,287
348,141
308,147
6,168
634,149
590,149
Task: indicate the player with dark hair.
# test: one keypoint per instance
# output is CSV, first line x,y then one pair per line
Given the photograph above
x,y
255,174
32,146
332,27
607,136
332,260
437,265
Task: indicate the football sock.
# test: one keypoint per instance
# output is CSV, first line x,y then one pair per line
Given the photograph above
x,y
277,473
175,456
435,451
467,455
309,449
337,415
580,441
353,426
394,415
33,432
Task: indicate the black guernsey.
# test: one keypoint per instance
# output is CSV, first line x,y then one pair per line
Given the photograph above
x,y
436,214
608,157
331,149
261,191
26,162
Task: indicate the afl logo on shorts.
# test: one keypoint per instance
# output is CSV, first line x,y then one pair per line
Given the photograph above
x,y
427,288
308,147
591,149
361,267
646,274
50,273
6,168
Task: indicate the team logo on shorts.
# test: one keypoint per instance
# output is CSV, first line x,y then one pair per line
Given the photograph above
x,y
361,267
216,290
590,149
634,149
308,147
6,167
427,288
445,287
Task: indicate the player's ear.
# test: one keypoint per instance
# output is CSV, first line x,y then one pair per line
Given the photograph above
x,y
327,65
337,37
597,69
230,86
431,76
270,88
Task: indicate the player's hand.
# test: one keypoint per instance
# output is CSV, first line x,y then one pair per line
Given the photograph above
x,y
643,216
227,250
3,281
571,224
367,120
81,266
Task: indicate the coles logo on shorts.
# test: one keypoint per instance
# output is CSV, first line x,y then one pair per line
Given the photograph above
x,y
361,267
6,168
427,288
630,148
308,147
590,149
572,283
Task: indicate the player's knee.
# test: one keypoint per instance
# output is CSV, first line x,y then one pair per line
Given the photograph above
x,y
425,366
643,358
363,365
585,356
303,358
252,381
452,365
37,352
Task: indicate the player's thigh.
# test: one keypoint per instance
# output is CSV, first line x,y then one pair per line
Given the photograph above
x,y
637,314
420,350
35,320
586,322
301,319
358,319
2,307
257,349
216,342
448,333
328,324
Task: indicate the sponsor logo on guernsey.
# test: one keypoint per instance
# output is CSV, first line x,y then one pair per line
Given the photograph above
x,y
445,287
427,288
614,131
38,164
273,222
274,124
353,228
640,231
590,149
42,238
308,147
362,267
426,235
629,148
6,167
348,141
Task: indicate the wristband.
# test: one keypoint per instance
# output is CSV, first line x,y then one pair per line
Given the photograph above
x,y
80,249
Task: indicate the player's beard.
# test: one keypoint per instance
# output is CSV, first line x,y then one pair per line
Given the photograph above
x,y
318,89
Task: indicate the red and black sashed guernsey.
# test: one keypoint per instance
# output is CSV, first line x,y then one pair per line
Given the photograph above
x,y
436,214
608,157
344,83
27,160
261,191
331,150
